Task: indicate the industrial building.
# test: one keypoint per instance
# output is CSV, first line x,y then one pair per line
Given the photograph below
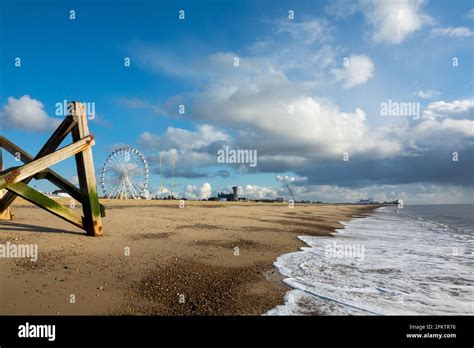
x,y
229,196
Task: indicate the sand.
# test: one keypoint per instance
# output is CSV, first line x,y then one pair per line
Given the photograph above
x,y
209,258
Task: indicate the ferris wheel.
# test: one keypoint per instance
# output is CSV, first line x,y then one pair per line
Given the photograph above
x,y
125,174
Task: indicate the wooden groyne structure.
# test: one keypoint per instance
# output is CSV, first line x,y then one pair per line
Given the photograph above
x,y
14,181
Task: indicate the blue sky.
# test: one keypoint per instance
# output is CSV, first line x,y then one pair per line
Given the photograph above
x,y
335,63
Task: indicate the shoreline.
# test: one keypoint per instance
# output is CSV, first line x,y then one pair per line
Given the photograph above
x,y
358,282
209,258
280,307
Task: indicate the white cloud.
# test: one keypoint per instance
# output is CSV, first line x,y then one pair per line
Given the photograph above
x,y
444,128
198,192
440,134
189,149
444,109
27,114
427,94
306,32
183,139
317,128
357,70
394,21
185,159
343,8
456,32
324,57
285,179
253,100
258,192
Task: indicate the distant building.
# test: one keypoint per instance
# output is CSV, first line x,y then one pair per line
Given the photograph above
x,y
229,196
366,201
59,193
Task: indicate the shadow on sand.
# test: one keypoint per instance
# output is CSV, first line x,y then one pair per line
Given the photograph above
x,y
15,226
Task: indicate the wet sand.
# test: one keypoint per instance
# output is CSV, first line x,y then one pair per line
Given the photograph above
x,y
209,258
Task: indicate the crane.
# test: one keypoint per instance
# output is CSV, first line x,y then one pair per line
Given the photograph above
x,y
291,193
172,177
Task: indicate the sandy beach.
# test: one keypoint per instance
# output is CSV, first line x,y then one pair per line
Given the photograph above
x,y
209,258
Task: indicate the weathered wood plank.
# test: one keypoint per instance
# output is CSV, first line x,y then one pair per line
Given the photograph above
x,y
47,174
86,175
51,145
57,137
13,149
46,203
6,214
15,179
18,174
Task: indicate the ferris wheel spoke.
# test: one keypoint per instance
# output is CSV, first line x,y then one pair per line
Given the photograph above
x,y
118,189
123,190
113,159
132,189
111,194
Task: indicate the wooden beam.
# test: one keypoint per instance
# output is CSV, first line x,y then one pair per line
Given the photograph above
x,y
51,145
14,149
18,174
47,174
86,174
6,214
66,186
15,179
57,137
46,203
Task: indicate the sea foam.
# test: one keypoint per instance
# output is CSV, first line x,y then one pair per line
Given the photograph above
x,y
410,266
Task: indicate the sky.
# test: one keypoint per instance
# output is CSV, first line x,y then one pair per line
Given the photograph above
x,y
341,100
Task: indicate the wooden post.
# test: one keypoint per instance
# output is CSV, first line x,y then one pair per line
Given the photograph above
x,y
46,203
18,174
15,180
53,142
47,174
6,214
92,220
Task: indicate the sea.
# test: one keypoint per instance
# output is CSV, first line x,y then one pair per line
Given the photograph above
x,y
415,260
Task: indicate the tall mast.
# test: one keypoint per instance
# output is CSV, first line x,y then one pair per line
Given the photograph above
x,y
161,180
172,177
